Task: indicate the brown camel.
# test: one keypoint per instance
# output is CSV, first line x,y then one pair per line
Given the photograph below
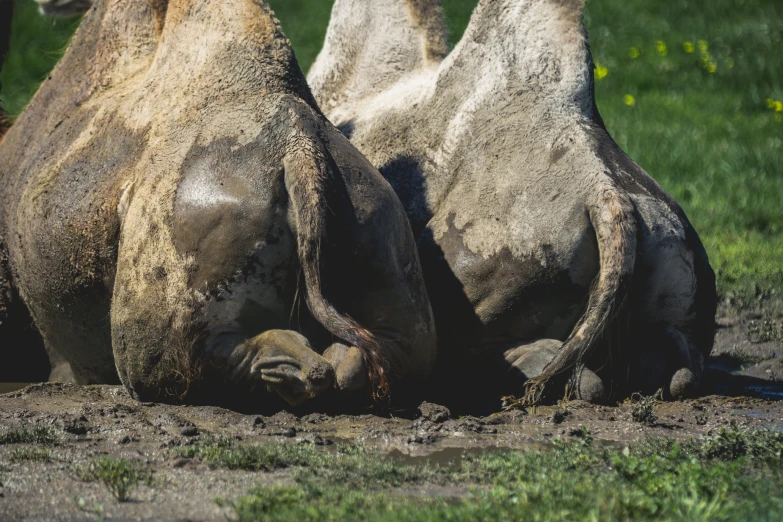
x,y
172,193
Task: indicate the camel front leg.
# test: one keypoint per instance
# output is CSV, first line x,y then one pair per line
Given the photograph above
x,y
284,361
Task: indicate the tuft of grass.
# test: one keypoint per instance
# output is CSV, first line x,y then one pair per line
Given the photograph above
x,y
345,464
120,476
30,455
723,477
643,410
25,435
765,331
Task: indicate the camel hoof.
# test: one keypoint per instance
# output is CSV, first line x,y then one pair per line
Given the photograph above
x,y
591,387
348,364
683,384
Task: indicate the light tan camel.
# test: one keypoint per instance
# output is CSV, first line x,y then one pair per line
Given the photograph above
x,y
545,248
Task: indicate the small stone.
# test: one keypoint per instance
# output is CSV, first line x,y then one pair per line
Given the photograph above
x,y
189,431
289,432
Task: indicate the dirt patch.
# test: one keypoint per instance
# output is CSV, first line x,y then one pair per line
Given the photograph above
x,y
41,480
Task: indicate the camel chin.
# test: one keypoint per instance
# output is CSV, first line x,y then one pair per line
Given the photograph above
x,y
532,224
186,221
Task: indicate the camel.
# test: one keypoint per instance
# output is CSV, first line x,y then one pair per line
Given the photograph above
x,y
64,8
548,254
173,195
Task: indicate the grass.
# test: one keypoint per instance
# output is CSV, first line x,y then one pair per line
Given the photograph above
x,y
120,476
643,410
25,435
692,90
733,474
30,455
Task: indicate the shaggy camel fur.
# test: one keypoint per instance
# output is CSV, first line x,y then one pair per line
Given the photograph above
x,y
171,193
545,248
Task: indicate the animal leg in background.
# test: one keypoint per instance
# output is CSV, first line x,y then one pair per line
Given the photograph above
x,y
528,361
21,346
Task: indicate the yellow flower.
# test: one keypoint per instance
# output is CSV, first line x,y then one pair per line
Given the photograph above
x,y
705,58
711,67
629,100
778,106
634,53
660,46
770,103
702,45
688,47
600,72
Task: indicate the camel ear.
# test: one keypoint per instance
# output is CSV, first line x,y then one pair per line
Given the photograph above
x,y
370,46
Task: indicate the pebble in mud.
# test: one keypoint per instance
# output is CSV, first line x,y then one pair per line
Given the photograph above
x,y
434,412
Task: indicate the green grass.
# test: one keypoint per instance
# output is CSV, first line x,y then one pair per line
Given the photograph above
x,y
25,435
699,123
734,474
120,476
30,455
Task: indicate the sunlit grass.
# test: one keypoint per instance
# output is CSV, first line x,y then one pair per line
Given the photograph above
x,y
731,475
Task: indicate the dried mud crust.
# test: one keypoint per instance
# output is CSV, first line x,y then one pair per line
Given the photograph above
x,y
103,420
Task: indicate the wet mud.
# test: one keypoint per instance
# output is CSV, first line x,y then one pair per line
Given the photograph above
x,y
744,379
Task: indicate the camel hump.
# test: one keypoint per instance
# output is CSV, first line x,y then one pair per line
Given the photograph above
x,y
370,46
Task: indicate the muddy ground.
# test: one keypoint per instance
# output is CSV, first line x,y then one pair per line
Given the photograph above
x,y
745,378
